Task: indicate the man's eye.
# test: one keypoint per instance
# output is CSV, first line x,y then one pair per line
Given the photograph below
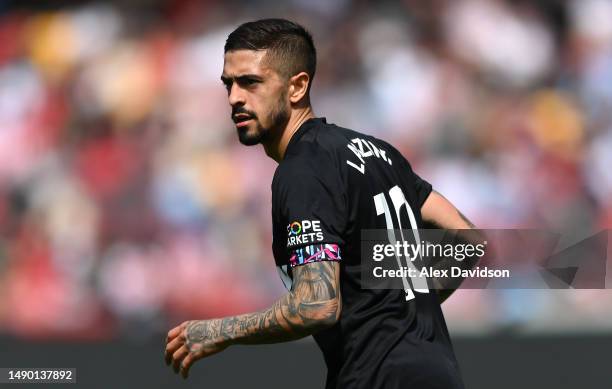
x,y
249,82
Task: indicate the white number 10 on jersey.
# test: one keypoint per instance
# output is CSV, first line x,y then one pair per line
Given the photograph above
x,y
419,284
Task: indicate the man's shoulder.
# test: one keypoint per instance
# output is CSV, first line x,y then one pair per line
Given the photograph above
x,y
322,143
323,152
317,153
345,144
309,161
338,139
329,136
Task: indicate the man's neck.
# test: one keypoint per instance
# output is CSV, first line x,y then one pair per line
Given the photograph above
x,y
276,149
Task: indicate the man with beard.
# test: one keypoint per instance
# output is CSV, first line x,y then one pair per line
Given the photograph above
x,y
330,184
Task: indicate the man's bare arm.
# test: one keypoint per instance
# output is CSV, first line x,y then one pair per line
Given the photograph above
x,y
442,214
314,303
311,305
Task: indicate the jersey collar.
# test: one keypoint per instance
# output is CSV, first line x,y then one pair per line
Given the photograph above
x,y
304,128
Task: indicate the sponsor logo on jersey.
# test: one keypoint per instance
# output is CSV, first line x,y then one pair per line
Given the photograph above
x,y
304,231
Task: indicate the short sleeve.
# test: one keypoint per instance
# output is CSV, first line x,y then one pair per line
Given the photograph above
x,y
312,212
423,189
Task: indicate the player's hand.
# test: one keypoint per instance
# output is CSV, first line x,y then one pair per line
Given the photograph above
x,y
193,340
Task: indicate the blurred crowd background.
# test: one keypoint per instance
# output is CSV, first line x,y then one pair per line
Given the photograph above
x,y
127,203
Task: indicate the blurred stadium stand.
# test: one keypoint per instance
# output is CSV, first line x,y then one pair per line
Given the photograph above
x,y
127,204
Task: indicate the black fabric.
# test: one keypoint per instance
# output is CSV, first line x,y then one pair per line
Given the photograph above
x,y
381,340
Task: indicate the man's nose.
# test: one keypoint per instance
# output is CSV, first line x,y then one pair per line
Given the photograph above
x,y
236,95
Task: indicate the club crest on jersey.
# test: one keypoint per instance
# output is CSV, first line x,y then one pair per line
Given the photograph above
x,y
304,231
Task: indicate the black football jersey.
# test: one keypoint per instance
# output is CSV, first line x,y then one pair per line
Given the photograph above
x,y
332,184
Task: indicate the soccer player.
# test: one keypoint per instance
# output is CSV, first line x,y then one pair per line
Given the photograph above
x,y
330,184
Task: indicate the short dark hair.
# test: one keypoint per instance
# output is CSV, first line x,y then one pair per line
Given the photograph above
x,y
290,46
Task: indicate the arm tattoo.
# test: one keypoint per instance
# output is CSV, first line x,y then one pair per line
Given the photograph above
x,y
198,333
313,304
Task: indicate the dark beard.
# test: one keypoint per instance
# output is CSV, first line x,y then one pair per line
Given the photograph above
x,y
280,118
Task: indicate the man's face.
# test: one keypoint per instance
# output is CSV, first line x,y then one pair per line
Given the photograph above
x,y
257,95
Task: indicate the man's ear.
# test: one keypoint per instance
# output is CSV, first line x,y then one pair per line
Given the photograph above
x,y
298,86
